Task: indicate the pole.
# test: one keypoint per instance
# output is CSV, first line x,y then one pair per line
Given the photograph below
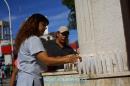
x,y
10,27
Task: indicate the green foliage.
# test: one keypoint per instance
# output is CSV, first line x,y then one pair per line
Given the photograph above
x,y
69,3
72,15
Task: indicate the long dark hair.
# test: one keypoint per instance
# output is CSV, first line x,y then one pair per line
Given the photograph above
x,y
29,28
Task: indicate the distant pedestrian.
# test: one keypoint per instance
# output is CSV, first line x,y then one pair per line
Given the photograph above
x,y
0,77
5,71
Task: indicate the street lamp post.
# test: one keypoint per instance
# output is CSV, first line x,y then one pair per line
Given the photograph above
x,y
10,27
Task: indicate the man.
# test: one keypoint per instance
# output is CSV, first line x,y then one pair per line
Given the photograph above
x,y
59,46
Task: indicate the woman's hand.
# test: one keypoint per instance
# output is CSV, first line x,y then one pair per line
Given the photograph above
x,y
73,58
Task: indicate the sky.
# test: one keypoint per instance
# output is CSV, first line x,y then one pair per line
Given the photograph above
x,y
55,11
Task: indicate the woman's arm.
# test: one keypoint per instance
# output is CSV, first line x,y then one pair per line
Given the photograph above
x,y
43,57
13,77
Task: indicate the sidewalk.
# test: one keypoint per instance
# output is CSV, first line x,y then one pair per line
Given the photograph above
x,y
5,82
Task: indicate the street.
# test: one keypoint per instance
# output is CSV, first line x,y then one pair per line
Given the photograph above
x,y
5,82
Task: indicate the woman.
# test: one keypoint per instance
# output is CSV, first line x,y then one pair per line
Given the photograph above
x,y
31,53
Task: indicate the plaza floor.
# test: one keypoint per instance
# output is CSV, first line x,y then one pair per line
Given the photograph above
x,y
5,82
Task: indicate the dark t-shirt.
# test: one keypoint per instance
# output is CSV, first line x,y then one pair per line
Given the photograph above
x,y
53,49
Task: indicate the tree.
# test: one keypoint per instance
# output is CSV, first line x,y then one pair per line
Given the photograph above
x,y
72,15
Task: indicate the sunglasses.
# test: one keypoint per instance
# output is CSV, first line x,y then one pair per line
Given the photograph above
x,y
66,33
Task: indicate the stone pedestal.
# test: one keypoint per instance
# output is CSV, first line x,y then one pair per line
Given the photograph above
x,y
101,36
